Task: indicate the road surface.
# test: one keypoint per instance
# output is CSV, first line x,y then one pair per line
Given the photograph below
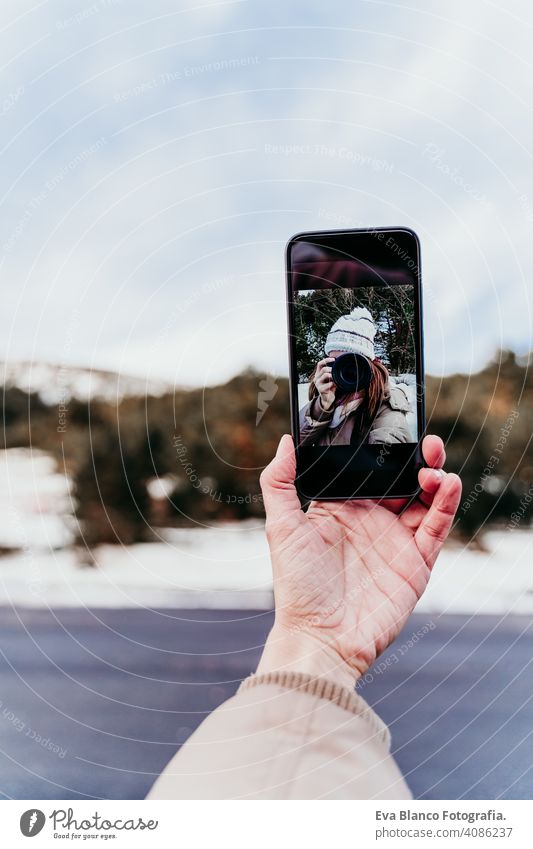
x,y
95,702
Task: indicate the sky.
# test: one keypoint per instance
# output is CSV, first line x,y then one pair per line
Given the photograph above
x,y
156,158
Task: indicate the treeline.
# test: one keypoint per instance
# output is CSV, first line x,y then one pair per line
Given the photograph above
x,y
194,457
391,308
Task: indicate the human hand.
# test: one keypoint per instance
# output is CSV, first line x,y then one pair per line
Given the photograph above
x,y
347,575
324,382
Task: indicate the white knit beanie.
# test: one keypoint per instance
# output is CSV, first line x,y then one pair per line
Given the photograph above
x,y
353,333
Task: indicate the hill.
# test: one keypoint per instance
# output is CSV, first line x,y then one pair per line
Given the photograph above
x,y
139,461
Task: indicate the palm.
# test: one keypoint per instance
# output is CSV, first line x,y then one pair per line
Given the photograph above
x,y
356,575
348,574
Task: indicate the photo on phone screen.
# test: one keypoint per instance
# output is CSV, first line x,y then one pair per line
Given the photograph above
x,y
355,345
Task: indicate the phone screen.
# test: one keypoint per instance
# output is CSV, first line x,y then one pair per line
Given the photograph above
x,y
355,349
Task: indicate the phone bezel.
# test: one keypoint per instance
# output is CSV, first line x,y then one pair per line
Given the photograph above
x,y
419,356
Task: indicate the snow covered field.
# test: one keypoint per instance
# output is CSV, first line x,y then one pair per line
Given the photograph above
x,y
222,567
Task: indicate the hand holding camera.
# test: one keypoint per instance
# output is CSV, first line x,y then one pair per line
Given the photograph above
x,y
348,373
324,382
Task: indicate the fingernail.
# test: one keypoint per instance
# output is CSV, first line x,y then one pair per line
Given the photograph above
x,y
279,449
439,473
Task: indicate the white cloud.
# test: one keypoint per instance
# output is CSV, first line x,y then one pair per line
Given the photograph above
x,y
171,201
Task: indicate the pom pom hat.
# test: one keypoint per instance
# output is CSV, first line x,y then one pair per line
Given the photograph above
x,y
353,334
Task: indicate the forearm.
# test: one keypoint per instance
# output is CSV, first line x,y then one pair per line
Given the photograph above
x,y
286,735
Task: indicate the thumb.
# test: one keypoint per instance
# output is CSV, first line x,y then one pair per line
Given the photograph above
x,y
282,505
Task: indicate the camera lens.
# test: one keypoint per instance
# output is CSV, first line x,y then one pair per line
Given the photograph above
x,y
351,372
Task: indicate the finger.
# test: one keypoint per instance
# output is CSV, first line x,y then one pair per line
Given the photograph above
x,y
433,451
437,523
429,480
282,504
395,505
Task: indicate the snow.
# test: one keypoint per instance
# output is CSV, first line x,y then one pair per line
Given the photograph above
x,y
226,567
220,567
499,580
57,383
34,499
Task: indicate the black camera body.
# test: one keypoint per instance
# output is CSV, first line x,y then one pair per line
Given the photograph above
x,y
351,373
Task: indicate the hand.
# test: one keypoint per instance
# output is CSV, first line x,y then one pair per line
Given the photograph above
x,y
324,382
347,575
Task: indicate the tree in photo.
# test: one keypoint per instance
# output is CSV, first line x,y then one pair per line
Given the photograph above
x,y
392,309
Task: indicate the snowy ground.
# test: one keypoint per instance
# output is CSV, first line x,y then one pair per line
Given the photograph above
x,y
229,568
223,567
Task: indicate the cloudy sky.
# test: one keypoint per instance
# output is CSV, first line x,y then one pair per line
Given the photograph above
x,y
156,159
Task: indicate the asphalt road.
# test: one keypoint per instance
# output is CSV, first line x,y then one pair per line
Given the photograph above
x,y
95,702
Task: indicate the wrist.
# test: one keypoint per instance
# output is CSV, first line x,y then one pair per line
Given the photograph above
x,y
326,402
292,651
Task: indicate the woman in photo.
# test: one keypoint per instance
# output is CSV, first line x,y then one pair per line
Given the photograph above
x,y
377,414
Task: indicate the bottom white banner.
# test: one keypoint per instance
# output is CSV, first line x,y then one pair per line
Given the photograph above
x,y
257,824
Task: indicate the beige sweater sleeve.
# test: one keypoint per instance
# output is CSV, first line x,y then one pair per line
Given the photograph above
x,y
286,736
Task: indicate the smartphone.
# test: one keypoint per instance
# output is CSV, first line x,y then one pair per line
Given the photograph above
x,y
354,304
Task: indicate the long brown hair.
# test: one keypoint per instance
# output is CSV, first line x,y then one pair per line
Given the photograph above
x,y
373,397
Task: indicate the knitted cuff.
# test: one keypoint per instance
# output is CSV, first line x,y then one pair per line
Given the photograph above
x,y
323,688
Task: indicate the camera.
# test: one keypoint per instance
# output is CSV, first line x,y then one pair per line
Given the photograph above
x,y
351,372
